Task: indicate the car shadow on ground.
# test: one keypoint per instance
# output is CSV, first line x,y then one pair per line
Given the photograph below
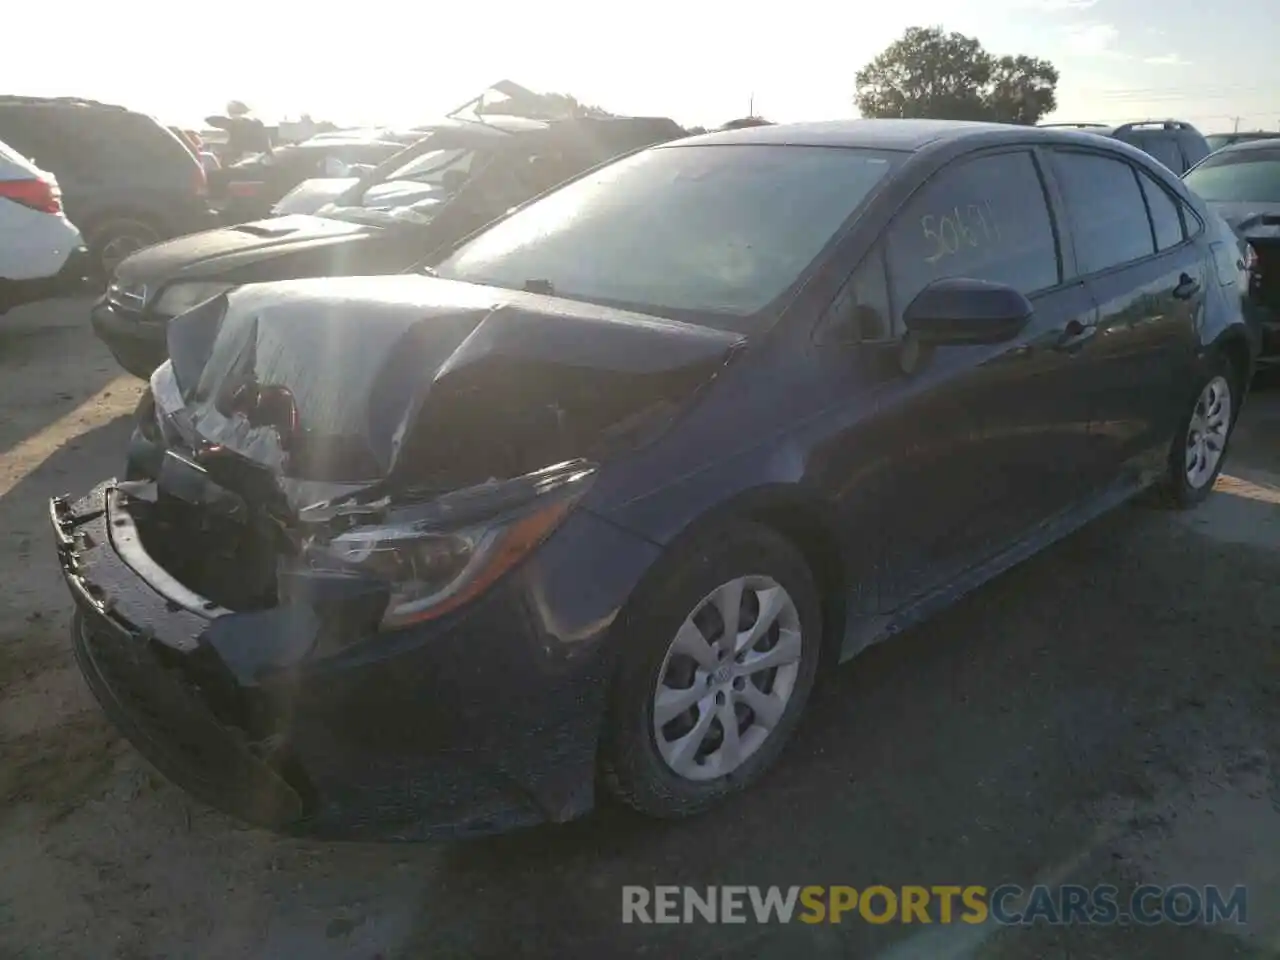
x,y
1035,724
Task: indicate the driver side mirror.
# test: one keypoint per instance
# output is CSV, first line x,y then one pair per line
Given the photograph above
x,y
961,310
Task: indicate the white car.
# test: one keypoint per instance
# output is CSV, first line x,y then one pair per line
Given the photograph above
x,y
41,252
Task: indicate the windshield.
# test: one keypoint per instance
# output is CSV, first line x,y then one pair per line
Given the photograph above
x,y
1252,177
718,229
436,167
410,192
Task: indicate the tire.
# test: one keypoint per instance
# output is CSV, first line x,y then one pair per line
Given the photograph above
x,y
1220,384
775,577
112,240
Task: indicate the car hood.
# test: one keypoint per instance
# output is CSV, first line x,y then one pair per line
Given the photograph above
x,y
310,195
1252,221
212,253
411,381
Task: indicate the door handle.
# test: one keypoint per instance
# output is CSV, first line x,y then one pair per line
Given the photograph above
x,y
1074,335
1188,286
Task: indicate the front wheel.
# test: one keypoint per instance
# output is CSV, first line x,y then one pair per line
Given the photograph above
x,y
113,240
719,655
1199,448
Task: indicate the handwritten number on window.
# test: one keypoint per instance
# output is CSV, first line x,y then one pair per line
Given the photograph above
x,y
974,226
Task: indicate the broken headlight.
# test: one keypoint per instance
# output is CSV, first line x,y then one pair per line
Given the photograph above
x,y
437,556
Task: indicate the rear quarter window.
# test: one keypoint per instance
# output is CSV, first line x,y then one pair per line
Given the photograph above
x,y
1166,213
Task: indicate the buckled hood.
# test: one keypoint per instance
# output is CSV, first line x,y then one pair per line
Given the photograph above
x,y
420,381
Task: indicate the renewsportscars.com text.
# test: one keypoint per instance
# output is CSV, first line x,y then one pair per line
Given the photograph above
x,y
1008,905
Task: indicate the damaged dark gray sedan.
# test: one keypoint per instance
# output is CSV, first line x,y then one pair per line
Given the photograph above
x,y
588,505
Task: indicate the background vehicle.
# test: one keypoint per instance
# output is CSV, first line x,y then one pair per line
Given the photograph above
x,y
127,182
248,188
467,172
310,195
1242,184
1217,141
595,503
41,252
1175,143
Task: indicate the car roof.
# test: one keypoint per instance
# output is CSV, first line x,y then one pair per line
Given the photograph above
x,y
1246,146
1146,127
901,135
906,135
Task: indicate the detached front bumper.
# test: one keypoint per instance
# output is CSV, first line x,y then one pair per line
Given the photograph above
x,y
481,724
138,345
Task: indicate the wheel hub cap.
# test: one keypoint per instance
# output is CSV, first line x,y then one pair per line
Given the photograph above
x,y
1207,433
727,678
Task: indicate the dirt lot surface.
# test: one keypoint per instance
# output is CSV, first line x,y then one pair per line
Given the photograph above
x,y
1109,711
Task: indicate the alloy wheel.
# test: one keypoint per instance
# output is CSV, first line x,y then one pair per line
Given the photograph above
x,y
1207,432
727,678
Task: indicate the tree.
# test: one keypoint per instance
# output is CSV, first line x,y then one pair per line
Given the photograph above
x,y
1022,90
948,76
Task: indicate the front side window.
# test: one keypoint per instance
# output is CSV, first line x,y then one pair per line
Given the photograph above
x,y
984,218
719,230
1105,207
860,311
1248,176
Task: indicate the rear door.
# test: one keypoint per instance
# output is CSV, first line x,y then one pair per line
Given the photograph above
x,y
1134,247
990,437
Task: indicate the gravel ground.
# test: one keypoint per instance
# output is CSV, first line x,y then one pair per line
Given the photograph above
x,y
1106,712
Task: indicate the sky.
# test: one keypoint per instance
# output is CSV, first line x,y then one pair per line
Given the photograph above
x,y
698,61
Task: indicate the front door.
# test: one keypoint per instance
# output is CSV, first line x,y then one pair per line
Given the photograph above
x,y
991,438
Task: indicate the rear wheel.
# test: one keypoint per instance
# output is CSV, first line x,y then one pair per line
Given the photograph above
x,y
112,240
1199,448
720,654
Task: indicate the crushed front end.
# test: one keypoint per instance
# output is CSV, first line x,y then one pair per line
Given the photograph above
x,y
314,605
305,716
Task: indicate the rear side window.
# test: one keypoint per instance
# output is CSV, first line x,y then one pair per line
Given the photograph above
x,y
1106,210
984,218
1166,213
24,129
110,144
1194,148
1163,148
131,139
